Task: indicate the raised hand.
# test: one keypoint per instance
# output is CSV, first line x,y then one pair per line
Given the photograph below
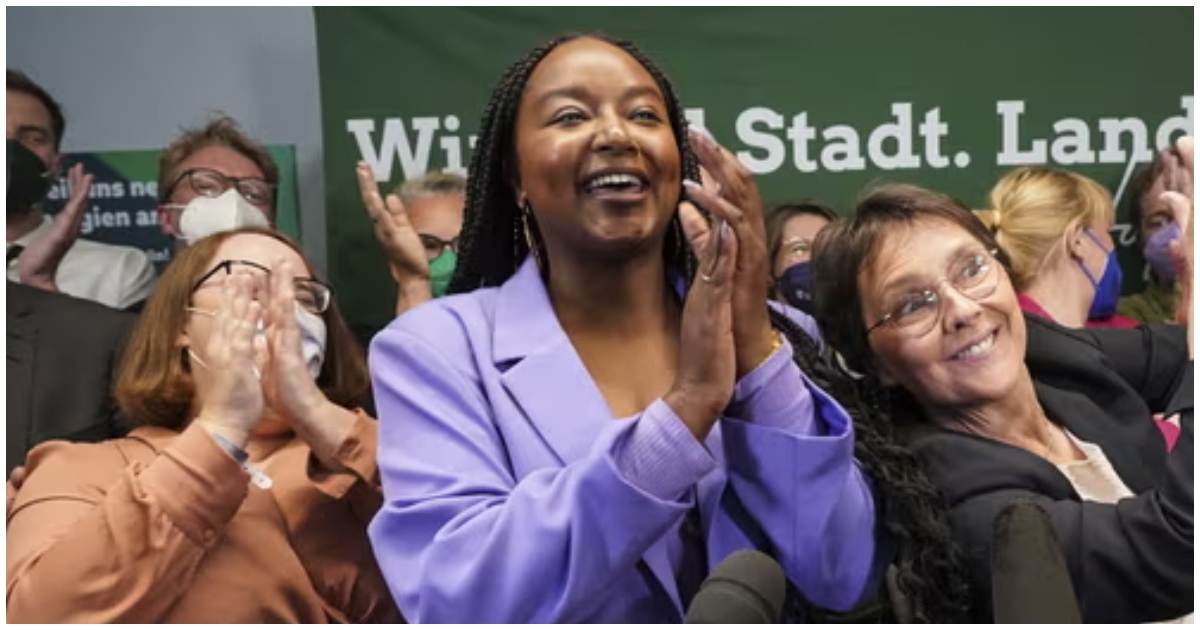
x,y
290,390
401,244
1181,198
705,379
232,404
38,263
736,201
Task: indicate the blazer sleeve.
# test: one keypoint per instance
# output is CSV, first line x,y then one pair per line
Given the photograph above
x,y
1150,358
789,449
1130,562
460,539
129,536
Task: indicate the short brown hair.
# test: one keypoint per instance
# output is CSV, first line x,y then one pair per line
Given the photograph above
x,y
222,132
154,383
847,246
18,81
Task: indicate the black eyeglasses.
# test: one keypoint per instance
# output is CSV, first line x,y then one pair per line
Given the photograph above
x,y
312,295
434,246
211,183
974,276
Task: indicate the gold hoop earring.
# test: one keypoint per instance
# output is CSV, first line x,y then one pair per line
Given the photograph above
x,y
531,241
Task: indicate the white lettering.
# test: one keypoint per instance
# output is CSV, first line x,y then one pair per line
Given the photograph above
x,y
1176,125
772,145
395,143
844,156
1074,143
933,130
899,131
1113,129
1010,124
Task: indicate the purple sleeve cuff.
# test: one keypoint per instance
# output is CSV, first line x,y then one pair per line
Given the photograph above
x,y
777,394
660,456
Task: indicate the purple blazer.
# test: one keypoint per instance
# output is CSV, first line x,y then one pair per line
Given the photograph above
x,y
512,495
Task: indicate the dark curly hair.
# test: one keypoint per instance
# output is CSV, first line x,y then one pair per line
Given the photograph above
x,y
493,245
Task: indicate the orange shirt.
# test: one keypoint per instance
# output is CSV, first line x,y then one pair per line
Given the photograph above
x,y
165,527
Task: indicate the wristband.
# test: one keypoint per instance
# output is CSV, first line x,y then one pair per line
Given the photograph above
x,y
239,455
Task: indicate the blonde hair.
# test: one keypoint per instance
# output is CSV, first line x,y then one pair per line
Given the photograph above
x,y
435,183
1031,208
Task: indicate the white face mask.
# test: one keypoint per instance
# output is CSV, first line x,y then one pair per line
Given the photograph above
x,y
204,216
312,339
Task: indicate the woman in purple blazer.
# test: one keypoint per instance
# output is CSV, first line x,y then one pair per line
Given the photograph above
x,y
598,417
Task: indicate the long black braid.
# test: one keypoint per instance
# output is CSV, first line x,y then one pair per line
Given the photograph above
x,y
910,510
493,245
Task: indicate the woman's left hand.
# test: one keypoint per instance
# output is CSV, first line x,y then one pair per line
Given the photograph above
x,y
739,204
289,389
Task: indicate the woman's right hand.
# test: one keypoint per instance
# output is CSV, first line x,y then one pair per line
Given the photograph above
x,y
233,402
705,379
1182,203
400,241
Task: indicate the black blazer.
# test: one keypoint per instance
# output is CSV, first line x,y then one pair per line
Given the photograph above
x,y
1129,562
62,354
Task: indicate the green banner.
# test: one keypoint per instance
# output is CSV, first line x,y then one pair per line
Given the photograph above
x,y
124,199
817,101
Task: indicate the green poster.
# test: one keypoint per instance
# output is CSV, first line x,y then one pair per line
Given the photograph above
x,y
817,101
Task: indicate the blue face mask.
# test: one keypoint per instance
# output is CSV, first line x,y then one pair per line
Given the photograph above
x,y
1108,287
1158,254
796,286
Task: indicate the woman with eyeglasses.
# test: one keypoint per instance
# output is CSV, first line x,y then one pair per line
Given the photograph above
x,y
914,293
606,406
791,228
244,492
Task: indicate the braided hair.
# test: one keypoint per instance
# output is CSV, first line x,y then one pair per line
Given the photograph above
x,y
493,245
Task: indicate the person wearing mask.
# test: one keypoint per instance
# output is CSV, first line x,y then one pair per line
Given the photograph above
x,y
914,292
1055,227
791,228
47,253
1157,230
243,493
418,226
595,418
215,178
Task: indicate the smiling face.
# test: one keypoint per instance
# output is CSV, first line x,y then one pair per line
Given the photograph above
x,y
973,353
597,158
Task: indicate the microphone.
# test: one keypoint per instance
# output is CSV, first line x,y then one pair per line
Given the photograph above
x,y
746,587
1030,580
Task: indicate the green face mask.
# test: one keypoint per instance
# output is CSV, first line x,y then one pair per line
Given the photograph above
x,y
441,269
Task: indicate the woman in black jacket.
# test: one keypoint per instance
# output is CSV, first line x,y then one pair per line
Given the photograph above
x,y
1004,408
